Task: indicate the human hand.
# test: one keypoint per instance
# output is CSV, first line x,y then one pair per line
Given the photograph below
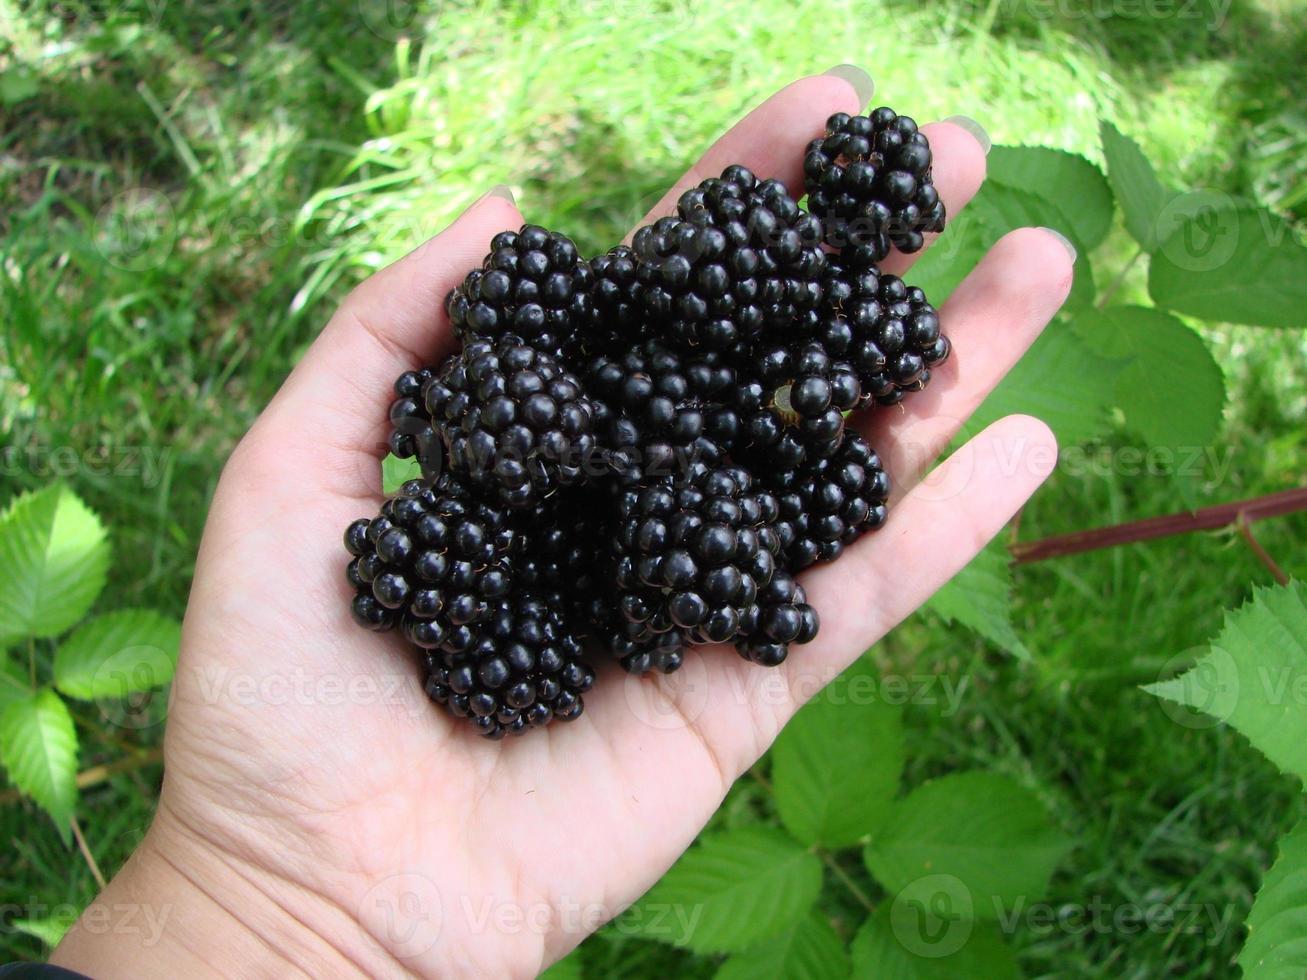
x,y
319,814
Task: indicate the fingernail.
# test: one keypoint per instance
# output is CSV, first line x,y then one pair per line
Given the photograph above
x,y
974,128
859,79
502,191
1066,242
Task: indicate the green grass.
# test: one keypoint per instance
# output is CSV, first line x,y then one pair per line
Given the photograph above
x,y
266,156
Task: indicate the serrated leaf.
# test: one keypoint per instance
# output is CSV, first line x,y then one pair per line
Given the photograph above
x,y
1276,948
1061,380
836,766
996,210
1167,383
1075,185
395,472
909,944
980,598
978,834
50,930
568,968
118,654
55,556
1141,195
1233,264
808,950
38,746
729,891
1252,675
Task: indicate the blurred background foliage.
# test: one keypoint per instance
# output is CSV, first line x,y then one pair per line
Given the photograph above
x,y
186,188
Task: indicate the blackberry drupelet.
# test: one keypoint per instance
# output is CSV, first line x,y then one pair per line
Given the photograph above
x,y
533,285
411,433
885,329
434,560
740,256
692,554
519,668
784,617
830,503
793,407
617,319
869,180
514,421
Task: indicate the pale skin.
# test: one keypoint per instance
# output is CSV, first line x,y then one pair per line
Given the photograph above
x,y
319,816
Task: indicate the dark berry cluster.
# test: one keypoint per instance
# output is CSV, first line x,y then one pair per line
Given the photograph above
x,y
869,180
634,455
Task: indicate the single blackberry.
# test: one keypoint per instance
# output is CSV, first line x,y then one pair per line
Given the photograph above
x,y
869,180
885,329
513,420
533,285
658,409
740,256
693,552
411,433
519,668
829,503
435,559
617,318
793,407
784,617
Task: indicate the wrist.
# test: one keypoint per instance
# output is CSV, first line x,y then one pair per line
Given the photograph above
x,y
182,907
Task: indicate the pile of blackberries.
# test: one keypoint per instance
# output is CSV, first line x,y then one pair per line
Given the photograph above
x,y
637,453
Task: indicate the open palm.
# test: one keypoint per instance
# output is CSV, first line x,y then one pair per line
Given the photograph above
x,y
329,815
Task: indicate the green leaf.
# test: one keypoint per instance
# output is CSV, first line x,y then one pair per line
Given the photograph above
x,y
836,766
38,745
568,968
981,837
996,210
117,654
1167,382
1062,380
1233,264
1141,195
912,944
14,682
395,472
50,930
980,598
1072,183
55,556
808,950
729,891
1276,948
1253,676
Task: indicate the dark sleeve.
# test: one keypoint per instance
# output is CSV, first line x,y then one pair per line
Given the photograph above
x,y
38,971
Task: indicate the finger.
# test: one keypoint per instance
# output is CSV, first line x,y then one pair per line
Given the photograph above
x,y
991,319
959,170
338,394
737,709
770,139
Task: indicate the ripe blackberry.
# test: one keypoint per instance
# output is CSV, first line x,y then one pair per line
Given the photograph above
x,y
533,284
741,255
519,668
793,408
434,560
869,180
411,433
784,617
514,421
693,552
658,408
830,503
886,330
617,316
